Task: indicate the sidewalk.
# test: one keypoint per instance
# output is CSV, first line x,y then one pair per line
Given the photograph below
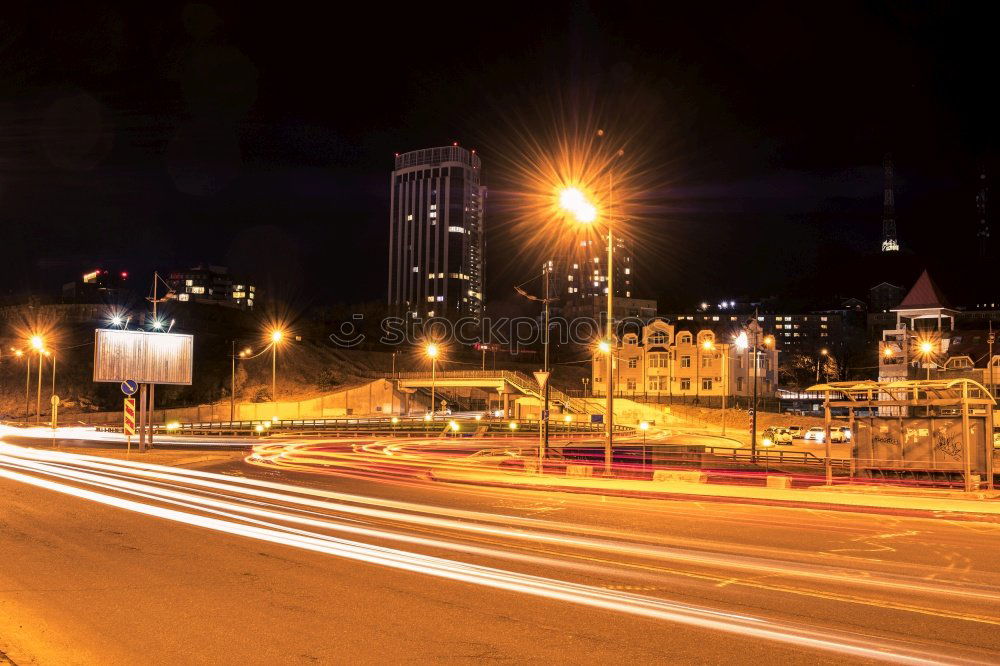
x,y
935,501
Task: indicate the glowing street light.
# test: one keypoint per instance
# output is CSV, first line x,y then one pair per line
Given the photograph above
x,y
432,352
575,202
37,342
277,335
604,347
823,353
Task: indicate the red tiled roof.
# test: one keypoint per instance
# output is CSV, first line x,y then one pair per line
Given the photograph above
x,y
924,295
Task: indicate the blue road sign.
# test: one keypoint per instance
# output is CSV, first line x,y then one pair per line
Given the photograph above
x,y
129,386
597,418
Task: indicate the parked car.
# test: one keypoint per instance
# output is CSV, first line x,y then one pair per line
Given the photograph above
x,y
847,434
777,435
796,431
818,434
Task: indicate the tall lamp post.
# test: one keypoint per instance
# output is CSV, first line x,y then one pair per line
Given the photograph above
x,y
27,382
276,337
573,201
232,387
821,359
432,352
38,344
926,350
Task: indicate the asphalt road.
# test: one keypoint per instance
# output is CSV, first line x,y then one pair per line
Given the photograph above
x,y
107,562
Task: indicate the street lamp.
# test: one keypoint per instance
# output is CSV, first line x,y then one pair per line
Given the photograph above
x,y
432,352
27,382
822,355
38,344
926,348
243,353
575,202
277,335
707,345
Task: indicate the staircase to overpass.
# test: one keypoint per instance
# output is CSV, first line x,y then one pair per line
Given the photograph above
x,y
495,380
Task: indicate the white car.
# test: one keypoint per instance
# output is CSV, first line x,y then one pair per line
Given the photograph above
x,y
818,434
776,436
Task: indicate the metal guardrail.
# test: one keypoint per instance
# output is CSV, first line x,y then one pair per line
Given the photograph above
x,y
779,456
409,426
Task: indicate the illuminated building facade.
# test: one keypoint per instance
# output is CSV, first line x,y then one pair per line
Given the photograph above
x,y
580,281
212,285
436,234
688,365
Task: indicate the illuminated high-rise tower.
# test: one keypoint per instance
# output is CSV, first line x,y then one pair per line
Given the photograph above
x,y
436,236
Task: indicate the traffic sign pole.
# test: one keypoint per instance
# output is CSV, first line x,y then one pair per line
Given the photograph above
x,y
128,412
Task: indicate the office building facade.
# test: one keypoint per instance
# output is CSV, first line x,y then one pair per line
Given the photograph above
x,y
436,234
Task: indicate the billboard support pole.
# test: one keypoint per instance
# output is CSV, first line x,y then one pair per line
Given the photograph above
x,y
142,418
149,420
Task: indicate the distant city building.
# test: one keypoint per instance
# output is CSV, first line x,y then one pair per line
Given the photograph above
x,y
436,234
688,364
212,285
884,296
794,330
97,286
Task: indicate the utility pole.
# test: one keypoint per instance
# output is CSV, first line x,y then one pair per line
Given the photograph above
x,y
544,424
38,402
753,418
232,388
991,339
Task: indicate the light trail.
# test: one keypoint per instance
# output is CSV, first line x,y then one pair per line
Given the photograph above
x,y
254,509
494,525
838,642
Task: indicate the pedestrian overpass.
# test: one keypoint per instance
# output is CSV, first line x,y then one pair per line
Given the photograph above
x,y
503,382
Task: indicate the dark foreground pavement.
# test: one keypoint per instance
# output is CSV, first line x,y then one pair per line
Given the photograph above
x,y
653,581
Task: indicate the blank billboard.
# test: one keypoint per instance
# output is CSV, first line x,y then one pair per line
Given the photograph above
x,y
151,358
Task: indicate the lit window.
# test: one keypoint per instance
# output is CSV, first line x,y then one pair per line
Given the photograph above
x,y
188,283
416,270
456,230
430,299
440,298
197,290
434,206
628,271
183,297
409,218
569,278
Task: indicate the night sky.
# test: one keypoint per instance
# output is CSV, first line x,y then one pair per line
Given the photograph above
x,y
138,138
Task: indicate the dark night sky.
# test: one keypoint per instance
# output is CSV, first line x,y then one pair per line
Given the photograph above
x,y
140,138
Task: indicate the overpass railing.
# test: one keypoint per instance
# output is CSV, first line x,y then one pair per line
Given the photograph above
x,y
518,380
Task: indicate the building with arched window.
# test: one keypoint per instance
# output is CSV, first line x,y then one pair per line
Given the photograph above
x,y
662,361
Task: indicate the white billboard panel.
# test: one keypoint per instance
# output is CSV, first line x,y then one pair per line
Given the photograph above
x,y
151,358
